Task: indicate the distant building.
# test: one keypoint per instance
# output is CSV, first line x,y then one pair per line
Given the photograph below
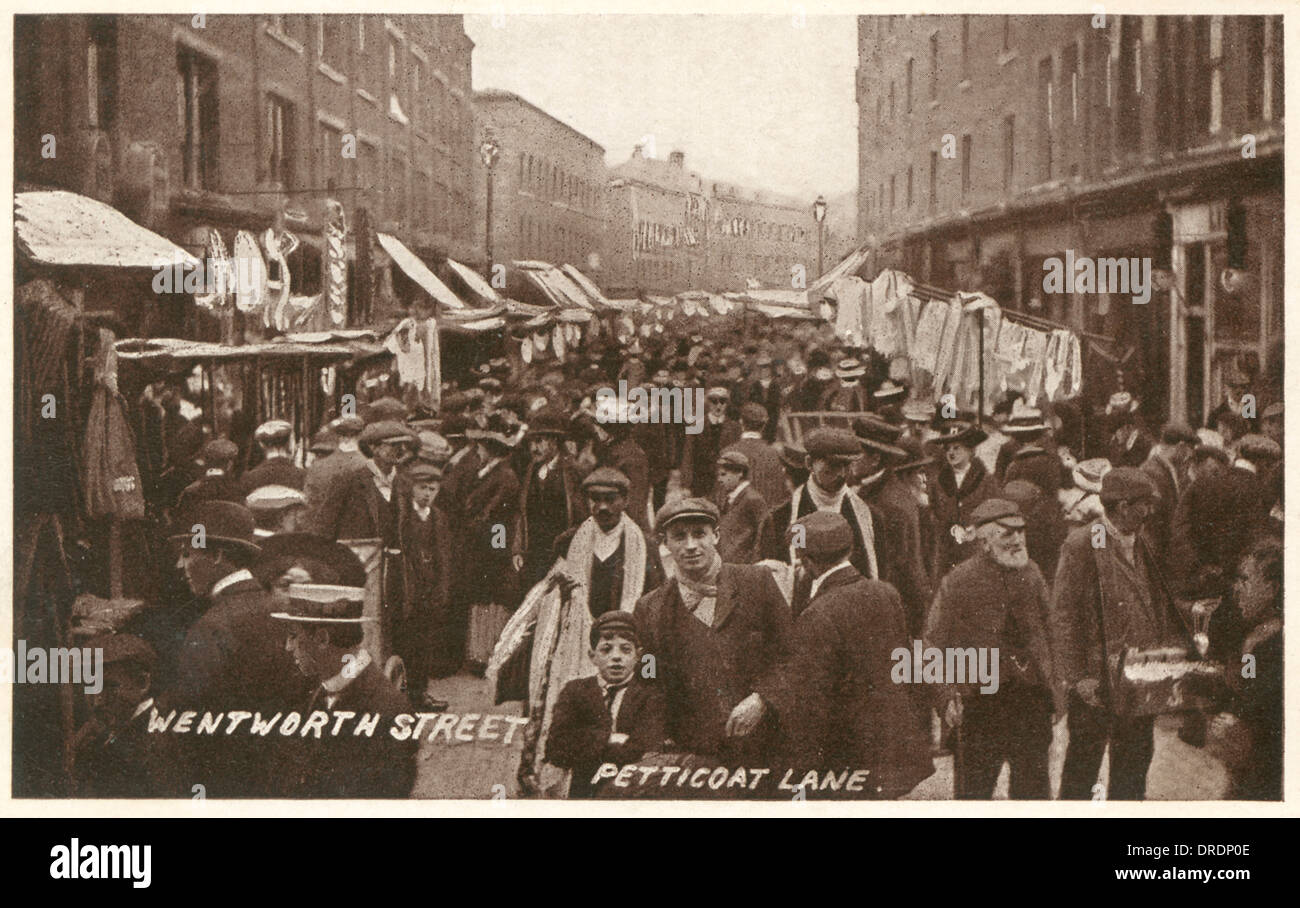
x,y
989,145
671,229
187,122
548,186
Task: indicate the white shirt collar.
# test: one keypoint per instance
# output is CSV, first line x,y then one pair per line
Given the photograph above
x,y
751,435
214,471
347,446
230,580
735,493
816,584
422,512
825,501
607,543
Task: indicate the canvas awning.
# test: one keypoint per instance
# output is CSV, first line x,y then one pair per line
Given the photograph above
x,y
419,272
587,285
849,266
474,281
54,227
555,285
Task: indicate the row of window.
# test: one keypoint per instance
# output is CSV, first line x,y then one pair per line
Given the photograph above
x,y
549,181
1093,105
758,230
663,270
541,240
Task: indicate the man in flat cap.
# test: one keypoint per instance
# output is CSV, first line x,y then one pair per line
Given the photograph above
x,y
276,509
277,469
218,481
719,634
699,473
233,656
1166,468
997,601
831,456
551,499
839,707
323,472
604,564
323,630
1109,595
742,510
114,756
427,636
361,503
766,474
385,409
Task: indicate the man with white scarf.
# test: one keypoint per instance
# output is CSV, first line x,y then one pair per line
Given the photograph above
x,y
600,565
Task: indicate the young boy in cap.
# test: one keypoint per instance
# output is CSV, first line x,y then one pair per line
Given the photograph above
x,y
614,716
423,632
274,438
741,507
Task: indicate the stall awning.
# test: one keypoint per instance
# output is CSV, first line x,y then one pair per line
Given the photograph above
x,y
587,285
419,272
848,267
474,281
54,227
556,285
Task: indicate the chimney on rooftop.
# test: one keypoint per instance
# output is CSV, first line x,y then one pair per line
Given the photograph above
x,y
636,151
677,159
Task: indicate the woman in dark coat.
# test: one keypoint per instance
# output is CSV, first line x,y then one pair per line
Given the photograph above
x,y
951,501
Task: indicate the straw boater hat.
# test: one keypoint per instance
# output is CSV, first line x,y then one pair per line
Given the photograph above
x,y
850,369
1024,420
325,604
1088,474
917,410
889,391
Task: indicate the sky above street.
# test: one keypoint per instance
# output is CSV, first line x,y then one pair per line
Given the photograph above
x,y
754,100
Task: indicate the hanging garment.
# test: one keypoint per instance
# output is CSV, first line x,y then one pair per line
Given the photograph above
x,y
929,334
852,295
408,349
1075,382
1035,353
336,274
111,476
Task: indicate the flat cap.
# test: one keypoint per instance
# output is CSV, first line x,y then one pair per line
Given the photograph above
x,y
1259,447
455,426
385,430
1202,453
324,441
123,648
220,450
491,385
273,498
997,510
348,426
826,535
384,409
1126,484
719,393
791,455
686,509
606,479
274,431
612,622
878,435
838,444
754,413
423,471
734,460
1179,433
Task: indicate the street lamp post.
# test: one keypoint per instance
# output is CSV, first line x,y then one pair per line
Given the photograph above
x,y
819,215
489,151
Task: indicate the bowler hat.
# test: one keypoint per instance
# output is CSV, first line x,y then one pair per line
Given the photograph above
x,y
686,509
613,622
1024,420
224,523
959,431
1258,447
323,559
832,444
878,435
826,535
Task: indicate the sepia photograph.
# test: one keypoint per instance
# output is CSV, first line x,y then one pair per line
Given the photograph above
x,y
756,407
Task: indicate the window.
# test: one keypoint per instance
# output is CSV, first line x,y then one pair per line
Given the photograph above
x,y
965,48
197,89
1128,126
934,179
1070,77
893,195
880,104
908,89
368,168
397,189
891,101
333,42
279,159
1045,119
1215,66
1008,152
331,157
965,165
1006,33
909,185
396,78
101,71
934,66
1256,64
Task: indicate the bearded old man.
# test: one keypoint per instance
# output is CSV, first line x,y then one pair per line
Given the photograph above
x,y
997,601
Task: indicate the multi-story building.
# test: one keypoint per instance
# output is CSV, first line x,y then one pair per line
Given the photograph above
x,y
671,229
248,121
548,186
989,145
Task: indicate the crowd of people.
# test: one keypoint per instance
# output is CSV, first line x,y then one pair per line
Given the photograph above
x,y
711,598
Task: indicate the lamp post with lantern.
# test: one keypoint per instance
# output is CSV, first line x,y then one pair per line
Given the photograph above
x,y
489,151
819,215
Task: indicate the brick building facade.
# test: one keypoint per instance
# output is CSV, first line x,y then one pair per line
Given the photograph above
x,y
247,121
548,186
988,144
